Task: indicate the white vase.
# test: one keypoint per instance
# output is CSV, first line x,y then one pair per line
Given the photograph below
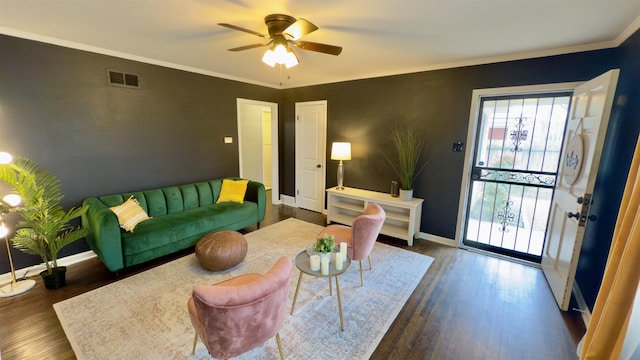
x,y
323,256
406,195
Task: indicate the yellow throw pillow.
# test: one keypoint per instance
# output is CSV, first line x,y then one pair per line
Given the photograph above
x,y
130,214
233,191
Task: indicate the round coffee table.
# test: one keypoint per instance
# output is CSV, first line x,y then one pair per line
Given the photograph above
x,y
302,263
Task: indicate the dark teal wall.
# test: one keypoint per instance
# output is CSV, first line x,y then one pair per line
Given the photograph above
x,y
438,104
57,109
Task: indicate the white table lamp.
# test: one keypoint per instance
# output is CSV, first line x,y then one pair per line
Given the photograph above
x,y
341,151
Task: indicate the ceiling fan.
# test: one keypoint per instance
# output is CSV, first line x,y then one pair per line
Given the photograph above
x,y
285,30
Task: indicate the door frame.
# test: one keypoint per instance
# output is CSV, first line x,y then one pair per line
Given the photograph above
x,y
275,182
476,98
322,139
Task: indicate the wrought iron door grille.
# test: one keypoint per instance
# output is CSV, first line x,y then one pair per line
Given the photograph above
x,y
514,172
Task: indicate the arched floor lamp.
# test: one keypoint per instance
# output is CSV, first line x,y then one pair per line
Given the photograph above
x,y
15,287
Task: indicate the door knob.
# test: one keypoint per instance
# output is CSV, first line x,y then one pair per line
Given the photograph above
x,y
575,215
318,166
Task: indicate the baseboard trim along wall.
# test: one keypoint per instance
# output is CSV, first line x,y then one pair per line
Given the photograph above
x,y
288,200
436,239
36,269
582,304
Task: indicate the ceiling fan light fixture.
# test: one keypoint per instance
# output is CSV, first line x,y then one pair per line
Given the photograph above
x,y
282,55
290,60
269,58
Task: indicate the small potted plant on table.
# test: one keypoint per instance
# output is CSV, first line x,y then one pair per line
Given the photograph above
x,y
324,246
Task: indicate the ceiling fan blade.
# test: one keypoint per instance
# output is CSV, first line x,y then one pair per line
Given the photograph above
x,y
299,29
247,47
323,48
243,29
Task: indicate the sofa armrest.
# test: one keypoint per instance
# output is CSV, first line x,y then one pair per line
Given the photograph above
x,y
257,194
104,233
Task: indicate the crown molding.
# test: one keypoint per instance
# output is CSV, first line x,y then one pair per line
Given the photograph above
x,y
127,56
629,30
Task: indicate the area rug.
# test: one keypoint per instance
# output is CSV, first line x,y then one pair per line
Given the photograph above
x,y
145,316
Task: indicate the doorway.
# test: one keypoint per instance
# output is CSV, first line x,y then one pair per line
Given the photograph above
x,y
258,143
311,139
515,142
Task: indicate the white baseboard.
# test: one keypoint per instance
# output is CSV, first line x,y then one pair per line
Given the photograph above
x,y
437,239
288,200
582,304
36,269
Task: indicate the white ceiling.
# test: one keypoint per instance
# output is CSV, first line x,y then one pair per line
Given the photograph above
x,y
379,37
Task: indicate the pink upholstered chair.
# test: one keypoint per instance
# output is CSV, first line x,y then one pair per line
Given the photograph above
x,y
236,315
361,236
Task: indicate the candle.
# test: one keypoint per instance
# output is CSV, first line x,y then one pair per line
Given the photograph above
x,y
324,266
343,250
339,261
315,262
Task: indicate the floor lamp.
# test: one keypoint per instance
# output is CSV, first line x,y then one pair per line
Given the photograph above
x,y
15,287
341,151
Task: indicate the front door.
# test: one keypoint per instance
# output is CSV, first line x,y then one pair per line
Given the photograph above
x,y
311,128
583,141
513,172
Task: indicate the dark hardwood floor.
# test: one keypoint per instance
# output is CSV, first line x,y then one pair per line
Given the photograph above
x,y
467,306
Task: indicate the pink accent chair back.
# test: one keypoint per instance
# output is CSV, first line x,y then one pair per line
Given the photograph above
x,y
364,231
237,315
361,236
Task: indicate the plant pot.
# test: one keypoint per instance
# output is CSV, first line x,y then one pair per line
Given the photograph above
x,y
325,256
406,195
56,279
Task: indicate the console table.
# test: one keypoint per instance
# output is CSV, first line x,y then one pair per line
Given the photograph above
x,y
403,217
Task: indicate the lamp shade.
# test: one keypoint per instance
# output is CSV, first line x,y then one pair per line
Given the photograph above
x,y
5,157
12,199
341,151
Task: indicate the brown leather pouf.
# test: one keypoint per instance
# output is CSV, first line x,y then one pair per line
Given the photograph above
x,y
221,250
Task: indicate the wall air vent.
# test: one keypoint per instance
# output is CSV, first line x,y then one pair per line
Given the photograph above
x,y
118,78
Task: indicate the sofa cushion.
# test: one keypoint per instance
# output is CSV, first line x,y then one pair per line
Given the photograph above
x,y
205,194
173,197
196,222
190,196
156,203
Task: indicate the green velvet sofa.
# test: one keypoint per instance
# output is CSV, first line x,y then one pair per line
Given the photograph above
x,y
181,215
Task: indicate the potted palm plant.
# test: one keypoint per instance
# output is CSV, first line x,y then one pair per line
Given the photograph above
x,y
44,228
408,145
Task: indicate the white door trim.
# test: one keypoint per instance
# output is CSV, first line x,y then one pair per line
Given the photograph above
x,y
322,139
275,182
477,95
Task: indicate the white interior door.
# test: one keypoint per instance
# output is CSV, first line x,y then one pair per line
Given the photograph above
x,y
311,133
583,141
256,153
